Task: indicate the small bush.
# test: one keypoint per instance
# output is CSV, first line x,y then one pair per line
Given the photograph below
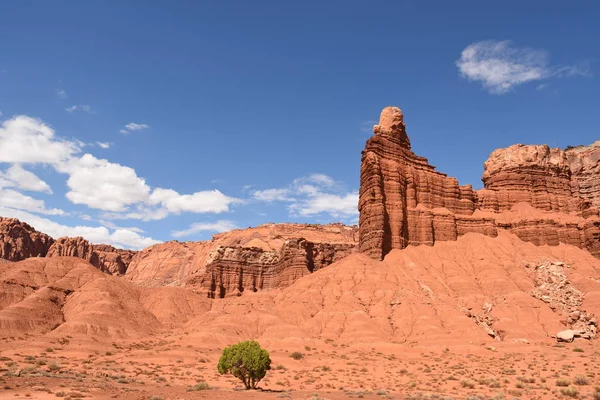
x,y
569,392
199,386
578,350
582,380
53,366
246,361
467,384
562,382
297,355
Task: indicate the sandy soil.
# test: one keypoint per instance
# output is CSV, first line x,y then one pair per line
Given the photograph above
x,y
169,366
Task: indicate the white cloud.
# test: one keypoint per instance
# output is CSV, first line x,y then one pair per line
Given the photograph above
x,y
136,127
338,206
103,185
62,94
17,200
132,127
111,225
119,237
218,226
314,195
208,201
270,195
93,182
500,67
20,178
80,107
104,145
28,140
98,183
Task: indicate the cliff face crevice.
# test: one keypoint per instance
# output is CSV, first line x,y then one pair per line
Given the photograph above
x,y
404,201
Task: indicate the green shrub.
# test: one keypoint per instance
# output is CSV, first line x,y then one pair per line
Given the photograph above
x,y
246,361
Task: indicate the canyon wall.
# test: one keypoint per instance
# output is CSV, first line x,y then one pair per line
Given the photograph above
x,y
404,201
265,257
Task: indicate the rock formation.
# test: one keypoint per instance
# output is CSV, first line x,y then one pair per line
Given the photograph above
x,y
19,240
404,201
102,256
268,256
538,175
585,169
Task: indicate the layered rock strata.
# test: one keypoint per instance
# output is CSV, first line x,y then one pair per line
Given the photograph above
x,y
102,256
404,201
265,257
19,241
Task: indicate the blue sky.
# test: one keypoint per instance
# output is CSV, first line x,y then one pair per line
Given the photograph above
x,y
131,123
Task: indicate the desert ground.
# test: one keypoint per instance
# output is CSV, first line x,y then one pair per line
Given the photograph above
x,y
330,334
171,367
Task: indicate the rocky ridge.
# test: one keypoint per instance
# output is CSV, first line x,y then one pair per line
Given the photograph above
x,y
542,195
102,256
19,241
265,257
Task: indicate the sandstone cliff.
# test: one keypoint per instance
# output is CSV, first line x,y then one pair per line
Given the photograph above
x,y
404,201
268,256
102,256
19,241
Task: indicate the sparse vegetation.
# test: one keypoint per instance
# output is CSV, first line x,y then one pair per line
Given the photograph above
x,y
563,382
569,392
53,366
297,355
582,380
199,386
467,384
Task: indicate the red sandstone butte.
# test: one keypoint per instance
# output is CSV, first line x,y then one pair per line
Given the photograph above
x,y
542,195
